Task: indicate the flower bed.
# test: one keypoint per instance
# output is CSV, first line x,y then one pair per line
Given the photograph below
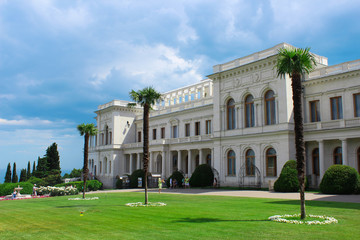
x,y
150,204
57,191
93,198
287,219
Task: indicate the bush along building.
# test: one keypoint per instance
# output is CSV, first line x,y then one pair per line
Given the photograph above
x,y
239,121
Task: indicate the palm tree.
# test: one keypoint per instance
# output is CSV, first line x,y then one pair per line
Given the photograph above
x,y
146,98
297,62
86,130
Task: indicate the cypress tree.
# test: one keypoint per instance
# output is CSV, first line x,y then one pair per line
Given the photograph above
x,y
23,175
14,176
34,169
28,173
8,174
42,168
53,157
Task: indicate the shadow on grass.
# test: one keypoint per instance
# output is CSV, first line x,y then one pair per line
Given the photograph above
x,y
320,204
76,206
207,220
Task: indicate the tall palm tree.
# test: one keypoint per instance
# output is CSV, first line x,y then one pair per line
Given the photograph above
x,y
296,62
86,130
146,98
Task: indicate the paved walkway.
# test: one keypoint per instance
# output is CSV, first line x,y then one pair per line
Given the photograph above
x,y
249,193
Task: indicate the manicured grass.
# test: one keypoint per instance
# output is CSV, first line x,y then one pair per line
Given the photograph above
x,y
184,217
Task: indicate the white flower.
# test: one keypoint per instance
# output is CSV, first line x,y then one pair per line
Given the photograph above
x,y
140,204
282,218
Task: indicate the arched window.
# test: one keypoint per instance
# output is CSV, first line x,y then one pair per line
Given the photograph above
x,y
358,158
271,162
107,135
250,162
315,161
231,162
230,109
105,165
269,108
338,155
249,111
100,167
208,159
109,167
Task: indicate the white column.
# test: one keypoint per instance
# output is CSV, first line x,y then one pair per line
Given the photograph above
x,y
189,163
139,161
179,160
201,160
344,151
131,163
150,162
163,169
321,159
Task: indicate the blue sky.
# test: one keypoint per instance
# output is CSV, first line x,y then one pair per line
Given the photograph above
x,y
59,60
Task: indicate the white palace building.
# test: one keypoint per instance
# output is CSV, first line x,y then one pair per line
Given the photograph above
x,y
238,120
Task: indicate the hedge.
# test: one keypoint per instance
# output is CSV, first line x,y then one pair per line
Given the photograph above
x,y
175,175
203,176
8,188
91,185
340,179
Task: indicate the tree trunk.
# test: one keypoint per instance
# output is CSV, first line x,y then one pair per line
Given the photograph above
x,y
299,138
85,170
146,148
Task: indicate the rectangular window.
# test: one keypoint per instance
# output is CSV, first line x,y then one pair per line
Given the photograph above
x,y
180,99
357,105
174,101
154,133
163,103
192,96
186,98
315,111
208,126
197,128
187,129
162,132
169,102
174,131
139,136
336,108
199,95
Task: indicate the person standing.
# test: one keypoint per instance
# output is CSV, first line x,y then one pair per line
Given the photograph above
x,y
160,182
34,190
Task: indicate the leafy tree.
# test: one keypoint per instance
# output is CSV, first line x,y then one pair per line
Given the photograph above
x,y
86,130
23,175
296,62
75,173
28,173
14,176
146,98
8,174
53,177
41,168
53,158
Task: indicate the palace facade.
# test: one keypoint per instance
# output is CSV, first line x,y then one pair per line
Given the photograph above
x,y
238,120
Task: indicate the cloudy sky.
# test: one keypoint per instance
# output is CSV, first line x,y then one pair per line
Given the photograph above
x,y
60,59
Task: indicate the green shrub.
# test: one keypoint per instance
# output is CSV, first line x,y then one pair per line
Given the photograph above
x,y
38,181
340,179
119,183
134,178
91,185
175,175
288,181
203,176
8,188
291,163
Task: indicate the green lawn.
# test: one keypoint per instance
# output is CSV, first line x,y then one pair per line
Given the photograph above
x,y
185,217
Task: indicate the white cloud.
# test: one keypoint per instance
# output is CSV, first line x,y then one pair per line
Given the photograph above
x,y
34,122
159,66
7,96
69,18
